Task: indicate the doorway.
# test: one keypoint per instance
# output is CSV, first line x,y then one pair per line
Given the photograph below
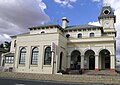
x,y
105,59
75,60
90,59
91,62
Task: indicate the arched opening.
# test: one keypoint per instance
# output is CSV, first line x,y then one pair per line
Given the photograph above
x,y
105,59
67,35
75,60
60,64
92,34
47,56
79,35
90,60
34,57
22,56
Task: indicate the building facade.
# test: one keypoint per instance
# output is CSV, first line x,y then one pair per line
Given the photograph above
x,y
49,48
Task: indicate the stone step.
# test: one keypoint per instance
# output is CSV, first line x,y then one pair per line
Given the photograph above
x,y
74,72
102,72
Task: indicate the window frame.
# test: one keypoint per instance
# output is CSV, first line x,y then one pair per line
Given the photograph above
x,y
9,59
22,57
67,35
92,34
47,55
79,35
34,56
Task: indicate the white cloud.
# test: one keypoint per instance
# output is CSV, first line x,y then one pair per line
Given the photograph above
x,y
115,4
65,2
95,23
17,15
96,0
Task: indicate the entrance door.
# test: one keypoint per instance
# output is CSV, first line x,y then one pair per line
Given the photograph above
x,y
92,62
107,62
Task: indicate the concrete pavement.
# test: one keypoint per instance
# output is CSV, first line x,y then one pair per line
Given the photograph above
x,y
97,79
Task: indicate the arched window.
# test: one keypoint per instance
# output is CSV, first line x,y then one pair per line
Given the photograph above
x,y
79,35
22,56
15,43
34,58
68,35
92,34
47,56
42,32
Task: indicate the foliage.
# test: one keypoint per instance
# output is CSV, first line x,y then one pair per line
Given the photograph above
x,y
5,46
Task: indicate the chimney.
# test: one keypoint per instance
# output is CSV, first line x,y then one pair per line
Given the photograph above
x,y
64,22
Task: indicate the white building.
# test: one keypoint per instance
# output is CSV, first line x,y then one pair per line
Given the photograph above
x,y
47,49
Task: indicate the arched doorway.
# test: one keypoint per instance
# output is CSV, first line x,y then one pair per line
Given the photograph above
x,y
60,64
90,60
105,59
75,60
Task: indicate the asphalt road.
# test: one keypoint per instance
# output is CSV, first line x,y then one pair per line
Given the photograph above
x,y
4,81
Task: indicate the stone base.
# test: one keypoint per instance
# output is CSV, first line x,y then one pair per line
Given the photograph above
x,y
82,69
96,69
112,70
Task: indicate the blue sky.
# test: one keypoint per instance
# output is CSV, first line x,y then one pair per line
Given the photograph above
x,y
16,16
82,12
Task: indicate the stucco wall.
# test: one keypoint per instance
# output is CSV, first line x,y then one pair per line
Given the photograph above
x,y
40,41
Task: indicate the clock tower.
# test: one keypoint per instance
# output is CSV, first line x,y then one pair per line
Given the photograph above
x,y
107,19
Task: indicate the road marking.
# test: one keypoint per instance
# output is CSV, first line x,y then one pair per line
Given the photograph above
x,y
19,84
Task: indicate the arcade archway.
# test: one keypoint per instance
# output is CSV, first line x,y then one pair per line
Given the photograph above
x,y
75,60
90,60
105,59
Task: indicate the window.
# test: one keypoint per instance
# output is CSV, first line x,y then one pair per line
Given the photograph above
x,y
79,35
22,56
42,32
15,43
68,35
92,35
34,58
9,60
47,56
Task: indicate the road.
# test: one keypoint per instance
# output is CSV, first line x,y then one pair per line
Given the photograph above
x,y
4,81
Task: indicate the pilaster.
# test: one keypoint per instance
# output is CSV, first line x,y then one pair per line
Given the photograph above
x,y
96,62
112,63
82,62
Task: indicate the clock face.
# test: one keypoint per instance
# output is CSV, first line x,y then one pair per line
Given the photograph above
x,y
107,24
106,11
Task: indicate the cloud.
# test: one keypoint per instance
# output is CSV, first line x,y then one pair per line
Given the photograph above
x,y
95,23
115,4
96,0
65,2
17,15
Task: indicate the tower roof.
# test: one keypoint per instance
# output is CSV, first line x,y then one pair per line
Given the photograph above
x,y
107,12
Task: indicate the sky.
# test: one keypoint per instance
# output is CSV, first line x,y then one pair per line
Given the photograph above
x,y
16,16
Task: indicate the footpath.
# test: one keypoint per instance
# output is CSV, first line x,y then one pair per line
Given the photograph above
x,y
101,79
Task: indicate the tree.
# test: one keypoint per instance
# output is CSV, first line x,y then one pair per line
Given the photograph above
x,y
1,45
7,46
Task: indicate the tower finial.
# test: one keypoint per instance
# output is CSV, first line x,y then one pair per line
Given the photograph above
x,y
106,4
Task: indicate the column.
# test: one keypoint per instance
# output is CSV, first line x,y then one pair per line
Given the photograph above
x,y
52,63
97,63
82,62
112,63
2,60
